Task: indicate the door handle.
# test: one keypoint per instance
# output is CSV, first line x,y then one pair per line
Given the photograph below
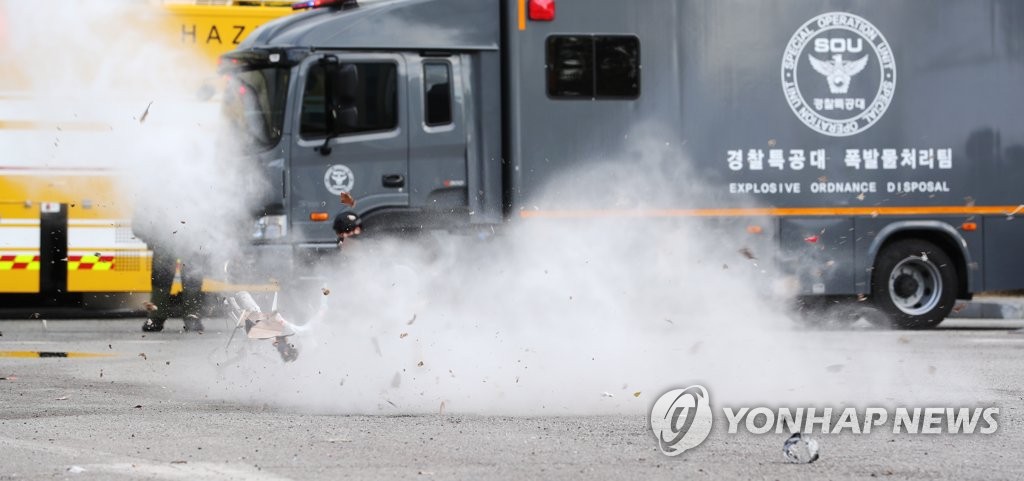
x,y
393,180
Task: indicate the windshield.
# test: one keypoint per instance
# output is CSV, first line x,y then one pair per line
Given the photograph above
x,y
254,105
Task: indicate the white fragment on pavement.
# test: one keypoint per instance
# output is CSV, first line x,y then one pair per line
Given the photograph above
x,y
76,469
799,449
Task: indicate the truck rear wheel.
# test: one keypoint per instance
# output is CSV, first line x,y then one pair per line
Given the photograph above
x,y
914,282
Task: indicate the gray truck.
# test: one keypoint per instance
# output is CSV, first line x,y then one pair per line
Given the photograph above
x,y
888,135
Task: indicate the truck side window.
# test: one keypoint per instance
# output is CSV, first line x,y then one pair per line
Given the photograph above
x,y
376,97
569,66
437,90
376,100
593,66
618,66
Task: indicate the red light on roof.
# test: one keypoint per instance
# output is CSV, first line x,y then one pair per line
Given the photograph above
x,y
323,3
542,10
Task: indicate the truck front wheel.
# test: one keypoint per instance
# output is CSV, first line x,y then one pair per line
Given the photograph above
x,y
914,283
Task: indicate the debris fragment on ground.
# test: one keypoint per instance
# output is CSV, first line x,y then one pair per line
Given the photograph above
x,y
800,449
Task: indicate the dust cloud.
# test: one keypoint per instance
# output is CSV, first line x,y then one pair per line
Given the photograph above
x,y
545,317
561,317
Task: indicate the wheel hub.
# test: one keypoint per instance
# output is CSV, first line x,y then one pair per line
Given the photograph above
x,y
905,285
915,285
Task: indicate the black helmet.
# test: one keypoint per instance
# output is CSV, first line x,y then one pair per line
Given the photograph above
x,y
347,222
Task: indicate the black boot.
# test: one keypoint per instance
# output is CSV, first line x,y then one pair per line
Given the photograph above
x,y
153,325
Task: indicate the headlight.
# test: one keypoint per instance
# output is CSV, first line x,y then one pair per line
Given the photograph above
x,y
270,227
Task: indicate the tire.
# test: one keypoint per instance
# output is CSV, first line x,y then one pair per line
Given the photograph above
x,y
914,283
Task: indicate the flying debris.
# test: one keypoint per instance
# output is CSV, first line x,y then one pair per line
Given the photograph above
x,y
145,114
347,199
260,325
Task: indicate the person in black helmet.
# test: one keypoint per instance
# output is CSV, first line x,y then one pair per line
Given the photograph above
x,y
347,225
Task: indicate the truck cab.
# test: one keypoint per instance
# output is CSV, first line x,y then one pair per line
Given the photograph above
x,y
332,101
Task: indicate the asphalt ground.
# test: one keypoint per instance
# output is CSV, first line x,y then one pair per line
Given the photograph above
x,y
146,411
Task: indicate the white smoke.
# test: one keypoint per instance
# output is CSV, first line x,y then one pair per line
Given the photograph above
x,y
547,317
561,317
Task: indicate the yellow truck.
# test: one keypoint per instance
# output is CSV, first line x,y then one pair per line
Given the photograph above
x,y
65,231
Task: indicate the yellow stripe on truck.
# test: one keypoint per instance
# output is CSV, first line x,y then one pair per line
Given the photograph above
x,y
87,194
